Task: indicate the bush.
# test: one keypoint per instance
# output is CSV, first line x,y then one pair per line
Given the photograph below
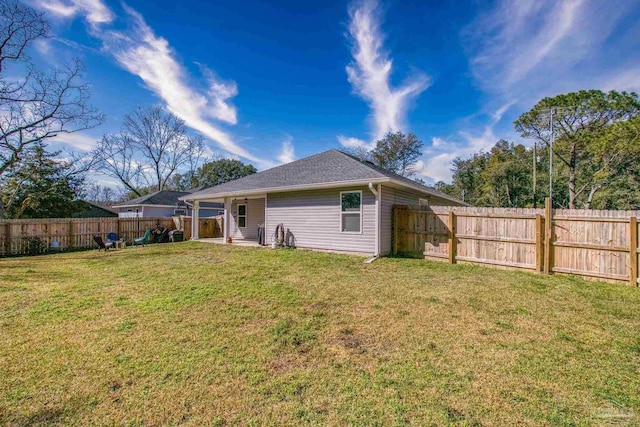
x,y
35,245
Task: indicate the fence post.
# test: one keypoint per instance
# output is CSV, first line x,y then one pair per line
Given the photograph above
x,y
633,251
539,243
548,225
7,239
70,235
395,230
452,237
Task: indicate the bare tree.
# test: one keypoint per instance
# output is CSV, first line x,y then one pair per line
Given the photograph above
x,y
103,194
114,157
147,152
39,105
362,153
19,25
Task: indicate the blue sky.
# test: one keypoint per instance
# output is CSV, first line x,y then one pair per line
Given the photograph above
x,y
269,82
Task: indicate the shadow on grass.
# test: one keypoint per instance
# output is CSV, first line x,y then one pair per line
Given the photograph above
x,y
43,416
405,255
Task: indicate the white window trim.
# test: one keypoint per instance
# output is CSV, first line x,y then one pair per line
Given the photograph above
x,y
246,211
421,200
349,212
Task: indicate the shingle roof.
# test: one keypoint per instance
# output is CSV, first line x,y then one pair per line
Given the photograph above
x,y
328,167
163,197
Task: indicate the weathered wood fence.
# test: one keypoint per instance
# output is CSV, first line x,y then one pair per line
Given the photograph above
x,y
77,233
207,227
590,243
71,233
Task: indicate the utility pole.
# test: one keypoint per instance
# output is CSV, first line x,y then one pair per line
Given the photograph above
x,y
535,171
551,160
551,111
547,113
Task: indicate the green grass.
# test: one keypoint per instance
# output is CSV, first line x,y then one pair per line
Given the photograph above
x,y
203,334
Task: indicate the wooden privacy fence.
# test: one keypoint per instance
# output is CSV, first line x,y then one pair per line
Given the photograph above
x,y
208,227
590,243
71,233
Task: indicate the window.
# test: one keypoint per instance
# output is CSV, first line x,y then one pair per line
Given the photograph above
x,y
423,203
179,211
242,216
351,211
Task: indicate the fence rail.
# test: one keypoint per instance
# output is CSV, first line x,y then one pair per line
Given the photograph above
x,y
77,233
589,243
70,233
207,227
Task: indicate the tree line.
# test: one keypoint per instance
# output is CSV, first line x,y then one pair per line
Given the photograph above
x,y
595,153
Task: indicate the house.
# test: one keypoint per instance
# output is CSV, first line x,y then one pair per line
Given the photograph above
x,y
330,201
87,209
164,203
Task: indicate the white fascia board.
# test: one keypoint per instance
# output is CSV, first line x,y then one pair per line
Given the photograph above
x,y
143,204
429,192
337,184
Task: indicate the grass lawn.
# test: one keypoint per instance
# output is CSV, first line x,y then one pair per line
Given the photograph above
x,y
203,334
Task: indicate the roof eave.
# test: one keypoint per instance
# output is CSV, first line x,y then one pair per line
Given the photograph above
x,y
144,204
284,189
336,184
429,192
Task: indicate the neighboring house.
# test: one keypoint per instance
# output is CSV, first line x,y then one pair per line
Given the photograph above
x,y
330,200
162,204
87,209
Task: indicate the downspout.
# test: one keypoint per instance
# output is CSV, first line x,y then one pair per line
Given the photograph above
x,y
376,193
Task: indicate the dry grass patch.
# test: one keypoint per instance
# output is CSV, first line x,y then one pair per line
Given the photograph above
x,y
200,334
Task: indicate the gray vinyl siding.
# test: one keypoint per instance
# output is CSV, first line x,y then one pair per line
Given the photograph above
x,y
313,217
164,212
157,212
149,211
255,217
394,196
207,213
122,212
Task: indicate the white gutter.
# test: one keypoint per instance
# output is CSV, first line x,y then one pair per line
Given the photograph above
x,y
431,193
144,204
336,184
376,193
241,193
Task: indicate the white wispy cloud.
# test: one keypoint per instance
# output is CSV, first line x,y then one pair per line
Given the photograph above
x,y
94,11
140,51
351,142
436,141
287,153
151,58
369,74
42,46
77,140
627,79
527,50
219,93
522,51
439,156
